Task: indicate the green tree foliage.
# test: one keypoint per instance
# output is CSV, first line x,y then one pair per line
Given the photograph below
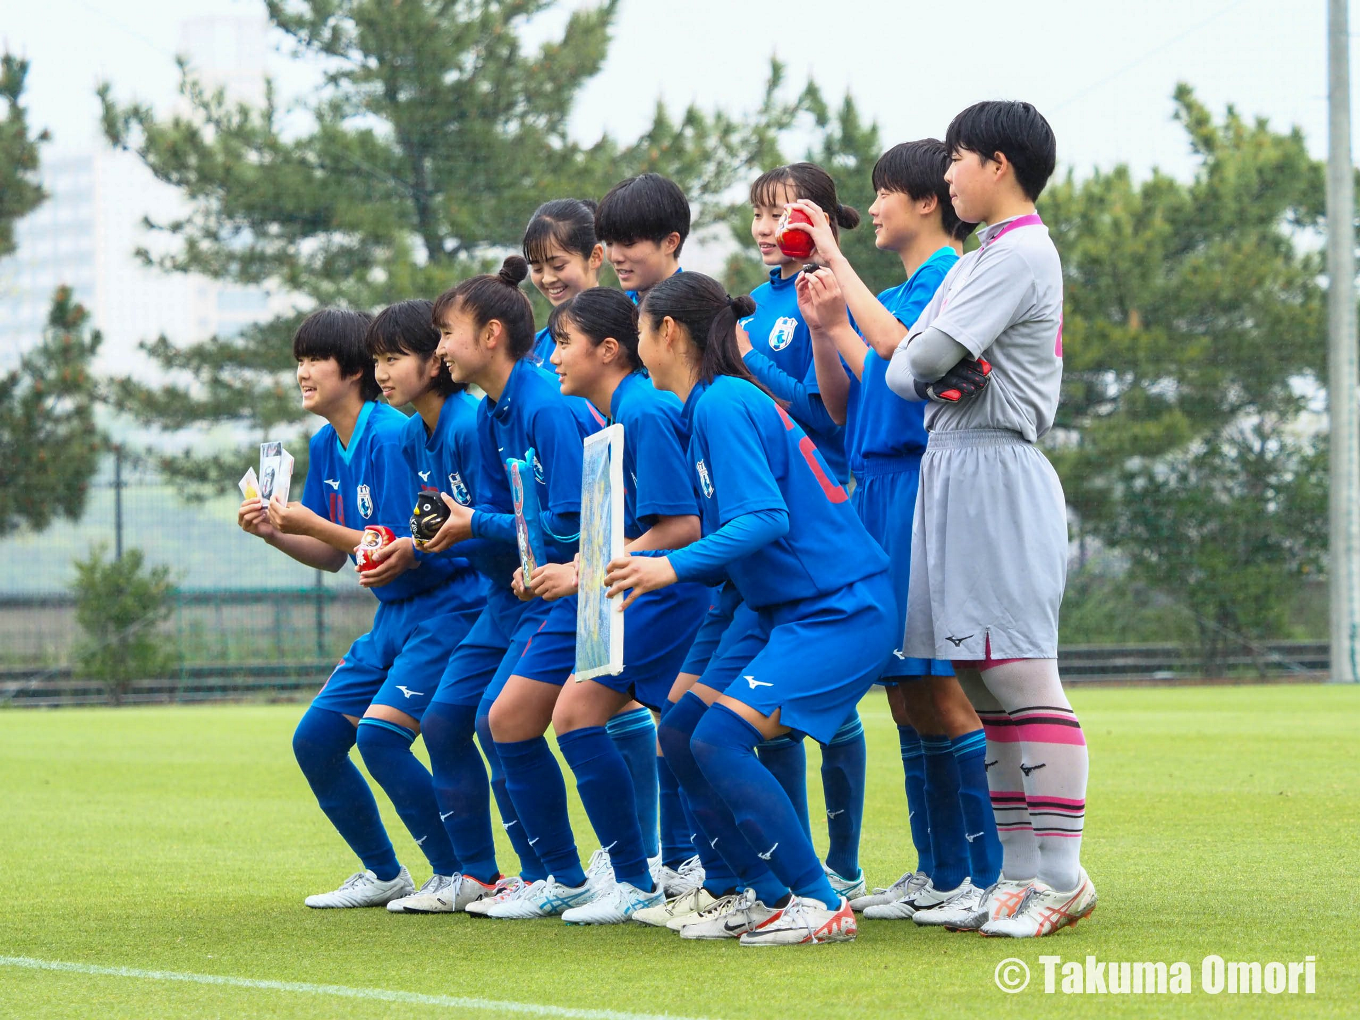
x,y
47,425
434,135
20,192
1194,335
119,605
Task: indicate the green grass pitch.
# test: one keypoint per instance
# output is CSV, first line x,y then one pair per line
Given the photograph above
x,y
181,841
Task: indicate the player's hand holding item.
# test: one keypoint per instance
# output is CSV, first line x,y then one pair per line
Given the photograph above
x,y
392,559
253,519
291,518
523,593
553,581
457,528
820,301
964,380
641,574
818,227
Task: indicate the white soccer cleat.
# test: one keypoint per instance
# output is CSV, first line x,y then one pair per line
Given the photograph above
x,y
675,911
729,917
911,882
547,898
600,870
953,911
678,881
364,889
614,905
464,891
505,888
1043,911
805,922
923,899
850,888
425,900
998,900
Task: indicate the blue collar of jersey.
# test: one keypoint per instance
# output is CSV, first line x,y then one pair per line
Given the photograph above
x,y
687,412
499,409
777,281
625,384
347,452
937,255
446,412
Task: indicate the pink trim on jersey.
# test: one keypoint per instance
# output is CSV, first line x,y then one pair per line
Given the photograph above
x,y
1028,220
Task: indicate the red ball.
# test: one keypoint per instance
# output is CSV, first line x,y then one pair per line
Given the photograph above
x,y
796,244
375,537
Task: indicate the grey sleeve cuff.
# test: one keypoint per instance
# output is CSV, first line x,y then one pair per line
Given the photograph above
x,y
931,353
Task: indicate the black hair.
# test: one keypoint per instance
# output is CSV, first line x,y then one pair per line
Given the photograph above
x,y
338,334
407,327
494,296
917,169
1013,128
809,181
710,315
565,223
599,313
647,207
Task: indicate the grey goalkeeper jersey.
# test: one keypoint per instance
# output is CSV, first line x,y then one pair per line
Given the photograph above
x,y
1004,303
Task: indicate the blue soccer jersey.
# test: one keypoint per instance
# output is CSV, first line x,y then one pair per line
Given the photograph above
x,y
880,425
370,482
448,460
656,474
544,345
781,358
749,455
533,414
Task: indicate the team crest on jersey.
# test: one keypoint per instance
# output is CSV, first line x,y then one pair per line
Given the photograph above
x,y
538,469
705,482
781,333
365,502
458,490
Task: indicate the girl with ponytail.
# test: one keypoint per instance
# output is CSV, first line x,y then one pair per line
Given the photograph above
x,y
778,524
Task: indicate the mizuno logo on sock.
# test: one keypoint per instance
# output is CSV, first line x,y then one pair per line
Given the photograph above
x,y
1027,769
410,693
766,855
972,837
422,839
957,641
987,765
713,844
534,840
833,814
899,653
444,814
506,825
756,683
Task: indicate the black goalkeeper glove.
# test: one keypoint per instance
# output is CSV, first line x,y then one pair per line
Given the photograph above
x,y
964,380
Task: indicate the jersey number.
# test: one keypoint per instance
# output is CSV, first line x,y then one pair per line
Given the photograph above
x,y
808,449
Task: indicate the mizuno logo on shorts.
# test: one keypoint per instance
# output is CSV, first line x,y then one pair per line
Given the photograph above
x,y
756,683
407,692
766,855
957,641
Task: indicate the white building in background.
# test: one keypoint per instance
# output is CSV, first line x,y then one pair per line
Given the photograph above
x,y
87,232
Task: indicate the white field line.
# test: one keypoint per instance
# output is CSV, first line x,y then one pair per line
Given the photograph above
x,y
337,991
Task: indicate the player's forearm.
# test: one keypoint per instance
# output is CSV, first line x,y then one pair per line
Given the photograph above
x,y
310,551
832,382
933,352
495,526
707,559
337,536
668,533
880,327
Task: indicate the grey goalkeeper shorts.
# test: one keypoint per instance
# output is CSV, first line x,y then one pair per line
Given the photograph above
x,y
988,550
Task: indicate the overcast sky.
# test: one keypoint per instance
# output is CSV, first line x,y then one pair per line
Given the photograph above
x,y
1102,73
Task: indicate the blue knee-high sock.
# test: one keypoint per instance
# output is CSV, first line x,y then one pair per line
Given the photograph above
x,y
786,760
710,810
531,869
634,734
321,745
724,745
844,765
719,878
947,838
535,784
676,844
984,845
460,787
386,750
606,792
918,813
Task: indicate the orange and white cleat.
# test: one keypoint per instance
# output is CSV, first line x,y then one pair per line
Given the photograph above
x,y
805,922
999,900
1043,911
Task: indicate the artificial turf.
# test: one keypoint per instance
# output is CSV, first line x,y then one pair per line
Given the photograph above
x,y
182,841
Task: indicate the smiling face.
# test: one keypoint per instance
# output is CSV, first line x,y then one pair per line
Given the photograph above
x,y
896,217
403,377
462,346
561,274
323,386
765,224
972,181
643,264
580,364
